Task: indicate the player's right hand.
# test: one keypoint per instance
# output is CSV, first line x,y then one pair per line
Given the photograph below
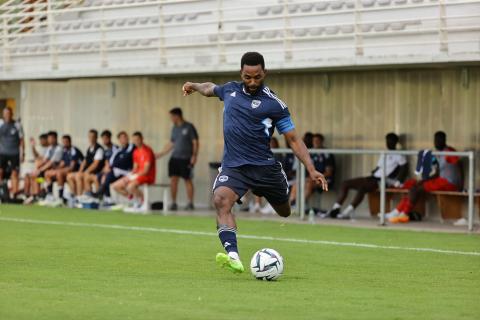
x,y
188,89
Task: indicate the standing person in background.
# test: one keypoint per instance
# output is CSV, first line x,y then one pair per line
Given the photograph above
x,y
184,143
12,148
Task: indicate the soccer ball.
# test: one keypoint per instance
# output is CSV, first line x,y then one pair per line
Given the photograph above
x,y
266,264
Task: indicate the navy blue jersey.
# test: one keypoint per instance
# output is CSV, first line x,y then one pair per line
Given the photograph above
x,y
108,152
72,155
323,160
249,122
122,158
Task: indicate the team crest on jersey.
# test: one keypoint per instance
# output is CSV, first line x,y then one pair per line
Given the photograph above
x,y
256,103
13,131
185,131
223,178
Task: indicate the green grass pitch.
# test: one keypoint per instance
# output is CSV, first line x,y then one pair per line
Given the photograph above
x,y
84,270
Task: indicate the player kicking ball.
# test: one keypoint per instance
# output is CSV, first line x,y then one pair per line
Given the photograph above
x,y
251,114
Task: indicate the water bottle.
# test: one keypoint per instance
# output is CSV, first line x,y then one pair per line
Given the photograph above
x,y
311,216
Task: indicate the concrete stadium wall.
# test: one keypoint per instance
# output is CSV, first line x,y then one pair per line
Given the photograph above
x,y
353,109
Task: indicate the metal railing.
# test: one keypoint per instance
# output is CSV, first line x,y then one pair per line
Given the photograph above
x,y
470,155
22,20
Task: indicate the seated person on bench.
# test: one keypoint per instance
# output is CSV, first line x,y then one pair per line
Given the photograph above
x,y
51,161
324,163
91,165
448,177
396,171
144,172
119,165
71,159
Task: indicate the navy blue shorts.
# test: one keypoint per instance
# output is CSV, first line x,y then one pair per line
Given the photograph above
x,y
264,181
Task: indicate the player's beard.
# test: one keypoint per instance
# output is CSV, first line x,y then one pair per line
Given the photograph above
x,y
254,89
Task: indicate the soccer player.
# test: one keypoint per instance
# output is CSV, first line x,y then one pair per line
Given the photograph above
x,y
12,148
144,172
251,113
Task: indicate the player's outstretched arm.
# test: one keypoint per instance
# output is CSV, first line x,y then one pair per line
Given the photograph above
x,y
205,89
301,151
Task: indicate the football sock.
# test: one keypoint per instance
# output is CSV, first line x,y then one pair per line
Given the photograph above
x,y
336,206
348,210
60,192
50,188
228,238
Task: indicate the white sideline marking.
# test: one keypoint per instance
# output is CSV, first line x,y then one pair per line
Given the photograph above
x,y
214,234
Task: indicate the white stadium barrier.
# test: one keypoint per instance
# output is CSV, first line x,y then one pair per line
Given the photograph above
x,y
75,38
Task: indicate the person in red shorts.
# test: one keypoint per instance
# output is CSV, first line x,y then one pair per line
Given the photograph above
x,y
448,177
144,172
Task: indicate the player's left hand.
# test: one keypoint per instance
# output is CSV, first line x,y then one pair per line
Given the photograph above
x,y
319,179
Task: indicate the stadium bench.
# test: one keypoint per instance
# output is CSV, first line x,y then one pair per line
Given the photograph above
x,y
146,194
449,202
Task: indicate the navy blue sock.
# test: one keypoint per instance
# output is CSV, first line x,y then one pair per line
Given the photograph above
x,y
60,192
228,238
50,188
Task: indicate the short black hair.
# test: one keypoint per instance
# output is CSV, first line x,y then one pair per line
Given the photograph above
x,y
441,135
95,132
392,137
52,133
66,136
320,136
107,133
138,134
122,133
177,111
252,59
43,136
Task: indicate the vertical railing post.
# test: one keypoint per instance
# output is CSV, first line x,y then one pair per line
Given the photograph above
x,y
161,35
383,188
287,33
442,27
52,39
358,29
103,42
220,28
471,189
301,190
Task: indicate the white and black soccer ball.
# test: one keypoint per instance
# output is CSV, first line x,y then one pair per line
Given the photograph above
x,y
266,264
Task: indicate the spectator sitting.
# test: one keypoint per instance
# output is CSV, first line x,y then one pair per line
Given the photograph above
x,y
324,163
91,165
72,158
144,171
448,177
12,149
50,161
39,152
396,171
95,179
119,165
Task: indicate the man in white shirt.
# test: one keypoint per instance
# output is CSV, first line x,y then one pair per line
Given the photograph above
x,y
396,171
52,158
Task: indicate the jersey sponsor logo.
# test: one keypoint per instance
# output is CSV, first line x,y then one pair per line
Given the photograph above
x,y
256,103
233,94
227,244
223,178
